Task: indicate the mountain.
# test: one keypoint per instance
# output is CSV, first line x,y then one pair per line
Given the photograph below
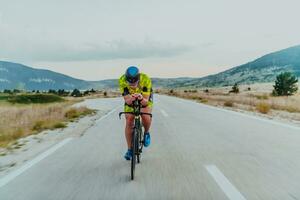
x,y
13,75
264,69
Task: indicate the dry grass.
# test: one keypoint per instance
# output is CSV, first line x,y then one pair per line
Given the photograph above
x,y
228,103
258,99
18,121
263,107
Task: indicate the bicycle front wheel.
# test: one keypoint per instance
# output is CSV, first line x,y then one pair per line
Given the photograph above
x,y
134,152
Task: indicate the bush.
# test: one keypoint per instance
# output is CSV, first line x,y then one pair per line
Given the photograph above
x,y
7,91
72,114
62,92
34,98
59,125
52,91
87,92
263,108
235,89
285,84
76,93
228,103
262,96
39,126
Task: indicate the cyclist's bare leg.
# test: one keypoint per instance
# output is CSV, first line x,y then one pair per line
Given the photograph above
x,y
146,119
128,129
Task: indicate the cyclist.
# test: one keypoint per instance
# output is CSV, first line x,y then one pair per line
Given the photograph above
x,y
135,85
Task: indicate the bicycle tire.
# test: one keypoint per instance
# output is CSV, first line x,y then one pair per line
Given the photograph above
x,y
133,158
138,139
138,147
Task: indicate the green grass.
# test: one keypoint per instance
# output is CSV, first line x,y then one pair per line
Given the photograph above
x,y
59,125
34,98
4,97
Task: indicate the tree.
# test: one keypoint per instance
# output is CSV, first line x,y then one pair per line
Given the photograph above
x,y
16,91
235,88
76,93
7,91
285,84
87,92
50,91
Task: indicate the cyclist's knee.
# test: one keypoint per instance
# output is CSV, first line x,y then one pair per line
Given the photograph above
x,y
129,120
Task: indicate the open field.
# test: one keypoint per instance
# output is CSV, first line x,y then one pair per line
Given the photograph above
x,y
22,119
256,99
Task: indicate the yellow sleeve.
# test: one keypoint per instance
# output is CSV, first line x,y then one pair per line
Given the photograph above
x,y
122,85
147,85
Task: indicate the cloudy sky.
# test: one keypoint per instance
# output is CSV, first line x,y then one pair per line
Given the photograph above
x,y
97,39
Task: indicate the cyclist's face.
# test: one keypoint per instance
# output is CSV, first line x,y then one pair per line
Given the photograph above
x,y
134,85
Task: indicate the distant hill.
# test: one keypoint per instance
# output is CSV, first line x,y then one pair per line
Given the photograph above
x,y
18,76
264,69
13,75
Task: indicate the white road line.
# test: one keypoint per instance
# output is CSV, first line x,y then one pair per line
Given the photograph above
x,y
231,192
9,177
107,114
6,179
164,113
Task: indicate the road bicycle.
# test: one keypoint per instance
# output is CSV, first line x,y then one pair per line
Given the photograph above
x,y
137,141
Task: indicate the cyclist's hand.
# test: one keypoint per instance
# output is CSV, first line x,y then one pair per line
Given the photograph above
x,y
138,96
129,100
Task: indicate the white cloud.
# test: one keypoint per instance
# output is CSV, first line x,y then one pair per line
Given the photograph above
x,y
33,46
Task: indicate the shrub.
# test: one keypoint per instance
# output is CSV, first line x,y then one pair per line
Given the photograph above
x,y
72,113
87,92
228,103
34,98
59,125
7,91
235,89
39,126
52,91
263,107
285,84
203,100
76,93
262,96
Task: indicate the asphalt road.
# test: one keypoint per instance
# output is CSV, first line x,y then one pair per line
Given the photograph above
x,y
197,152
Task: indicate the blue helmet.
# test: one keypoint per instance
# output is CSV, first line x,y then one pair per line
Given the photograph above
x,y
132,74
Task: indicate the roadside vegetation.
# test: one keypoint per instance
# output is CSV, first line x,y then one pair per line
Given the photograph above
x,y
26,113
280,99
